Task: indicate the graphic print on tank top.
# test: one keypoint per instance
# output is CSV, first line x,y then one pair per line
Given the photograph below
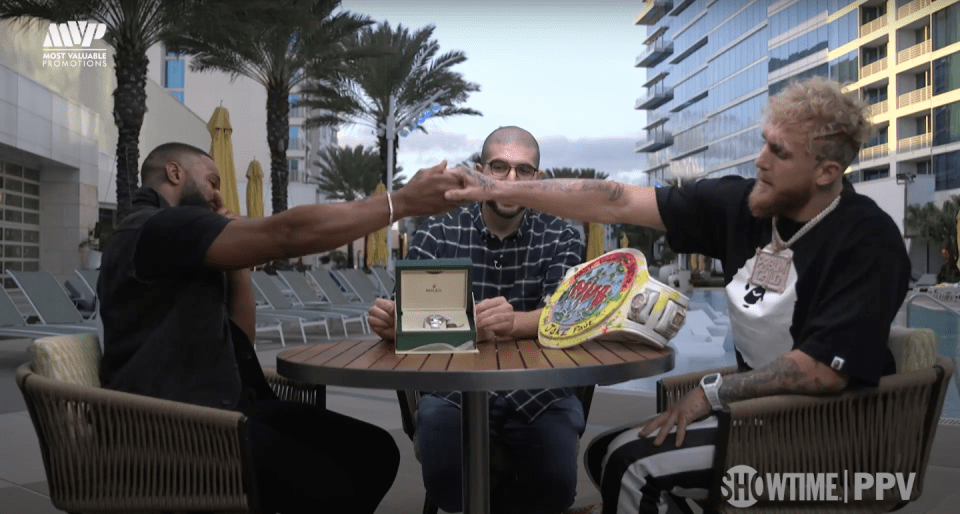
x,y
760,318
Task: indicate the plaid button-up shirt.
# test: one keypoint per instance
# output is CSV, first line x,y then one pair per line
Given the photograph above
x,y
525,268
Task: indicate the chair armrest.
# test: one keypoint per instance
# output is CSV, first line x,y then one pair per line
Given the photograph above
x,y
671,389
293,391
887,429
110,450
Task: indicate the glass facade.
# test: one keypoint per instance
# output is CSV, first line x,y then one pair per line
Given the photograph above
x,y
946,168
174,73
946,73
946,124
730,57
946,26
798,48
847,68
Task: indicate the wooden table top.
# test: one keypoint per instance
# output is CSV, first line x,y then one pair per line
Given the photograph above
x,y
503,365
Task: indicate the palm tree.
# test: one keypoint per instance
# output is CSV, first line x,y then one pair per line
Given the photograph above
x,y
350,174
410,69
937,225
132,26
271,43
575,173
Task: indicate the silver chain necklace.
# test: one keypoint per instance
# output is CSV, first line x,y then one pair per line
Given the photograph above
x,y
772,271
779,245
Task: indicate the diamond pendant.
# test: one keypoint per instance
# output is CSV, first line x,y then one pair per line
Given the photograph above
x,y
771,271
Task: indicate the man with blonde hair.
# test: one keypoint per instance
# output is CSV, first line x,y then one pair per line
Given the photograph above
x,y
814,275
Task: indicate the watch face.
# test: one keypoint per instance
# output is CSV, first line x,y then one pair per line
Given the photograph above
x,y
710,379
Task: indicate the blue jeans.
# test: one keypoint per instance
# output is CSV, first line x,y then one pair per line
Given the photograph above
x,y
543,454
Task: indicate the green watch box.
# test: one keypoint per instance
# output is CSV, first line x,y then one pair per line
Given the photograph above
x,y
435,306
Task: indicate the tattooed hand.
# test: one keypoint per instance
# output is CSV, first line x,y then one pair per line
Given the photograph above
x,y
477,187
692,407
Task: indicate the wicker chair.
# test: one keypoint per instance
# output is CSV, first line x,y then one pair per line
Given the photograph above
x,y
109,451
887,429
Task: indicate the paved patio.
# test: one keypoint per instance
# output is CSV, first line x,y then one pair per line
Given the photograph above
x,y
23,487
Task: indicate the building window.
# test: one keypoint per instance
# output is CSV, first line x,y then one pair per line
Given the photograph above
x,y
875,174
20,221
946,27
846,69
879,139
946,73
174,71
946,168
946,124
869,14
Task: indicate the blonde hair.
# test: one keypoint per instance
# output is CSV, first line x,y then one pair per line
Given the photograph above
x,y
839,120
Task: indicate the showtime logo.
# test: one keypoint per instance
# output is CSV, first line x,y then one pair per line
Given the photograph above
x,y
742,486
73,34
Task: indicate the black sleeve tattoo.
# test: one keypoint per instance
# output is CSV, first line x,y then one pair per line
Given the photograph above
x,y
615,189
782,376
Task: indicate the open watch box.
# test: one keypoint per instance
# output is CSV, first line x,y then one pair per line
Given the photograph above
x,y
435,306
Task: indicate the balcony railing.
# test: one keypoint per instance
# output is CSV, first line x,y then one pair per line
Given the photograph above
x,y
655,98
914,51
654,142
874,67
878,108
654,54
874,152
911,8
915,142
874,25
654,10
913,97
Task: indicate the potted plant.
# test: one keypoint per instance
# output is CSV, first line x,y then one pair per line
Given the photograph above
x,y
98,238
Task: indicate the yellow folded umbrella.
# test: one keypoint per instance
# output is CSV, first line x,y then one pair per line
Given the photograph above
x,y
595,237
221,149
377,242
254,190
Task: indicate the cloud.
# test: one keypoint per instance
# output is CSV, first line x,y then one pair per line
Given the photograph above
x,y
611,155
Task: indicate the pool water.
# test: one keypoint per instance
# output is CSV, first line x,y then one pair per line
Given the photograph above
x,y
704,342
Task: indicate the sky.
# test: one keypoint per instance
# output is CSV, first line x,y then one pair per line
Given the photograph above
x,y
564,70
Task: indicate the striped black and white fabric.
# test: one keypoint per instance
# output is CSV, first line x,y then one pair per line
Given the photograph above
x,y
638,474
525,268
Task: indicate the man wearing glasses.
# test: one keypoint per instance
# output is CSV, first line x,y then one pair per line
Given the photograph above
x,y
520,256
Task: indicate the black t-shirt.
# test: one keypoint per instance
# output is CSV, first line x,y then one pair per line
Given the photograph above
x,y
167,327
848,275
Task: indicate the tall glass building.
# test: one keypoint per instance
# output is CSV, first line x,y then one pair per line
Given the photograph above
x,y
710,66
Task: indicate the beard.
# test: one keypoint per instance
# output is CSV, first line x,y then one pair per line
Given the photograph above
x,y
191,195
504,212
766,202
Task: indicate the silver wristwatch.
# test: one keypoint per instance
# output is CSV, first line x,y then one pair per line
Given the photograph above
x,y
711,388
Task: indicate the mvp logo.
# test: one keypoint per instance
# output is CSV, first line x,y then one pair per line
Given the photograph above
x,y
73,34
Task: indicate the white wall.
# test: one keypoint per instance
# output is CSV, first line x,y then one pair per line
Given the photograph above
x,y
60,120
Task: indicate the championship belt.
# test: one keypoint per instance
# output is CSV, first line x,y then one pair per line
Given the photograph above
x,y
612,298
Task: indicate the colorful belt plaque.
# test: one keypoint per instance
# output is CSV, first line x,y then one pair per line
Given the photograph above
x,y
612,298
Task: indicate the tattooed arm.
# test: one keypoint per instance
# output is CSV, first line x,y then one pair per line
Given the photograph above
x,y
793,373
601,201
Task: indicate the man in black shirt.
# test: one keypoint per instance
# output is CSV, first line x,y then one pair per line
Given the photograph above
x,y
179,317
814,275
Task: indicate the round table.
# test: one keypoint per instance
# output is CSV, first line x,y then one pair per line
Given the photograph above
x,y
497,366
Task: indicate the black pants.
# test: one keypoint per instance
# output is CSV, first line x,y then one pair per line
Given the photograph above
x,y
309,459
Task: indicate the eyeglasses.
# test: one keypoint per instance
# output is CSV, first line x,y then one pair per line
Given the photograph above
x,y
501,169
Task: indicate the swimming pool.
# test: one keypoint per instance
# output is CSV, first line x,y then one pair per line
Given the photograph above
x,y
704,342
